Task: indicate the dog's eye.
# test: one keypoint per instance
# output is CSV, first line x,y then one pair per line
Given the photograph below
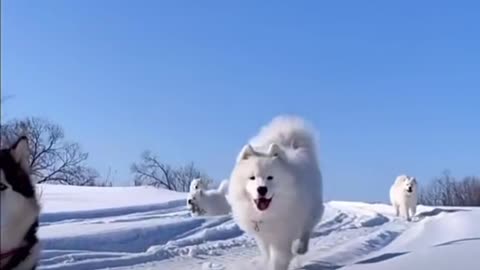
x,y
252,177
3,187
269,177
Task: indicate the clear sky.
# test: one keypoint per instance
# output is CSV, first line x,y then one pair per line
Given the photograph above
x,y
391,87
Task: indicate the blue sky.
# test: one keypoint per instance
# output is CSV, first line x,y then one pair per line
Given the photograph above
x,y
391,87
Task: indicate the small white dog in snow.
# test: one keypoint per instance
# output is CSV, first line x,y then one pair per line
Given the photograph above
x,y
403,196
211,202
195,185
276,190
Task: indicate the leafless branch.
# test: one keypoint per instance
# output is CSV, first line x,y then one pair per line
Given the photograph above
x,y
151,171
53,159
447,191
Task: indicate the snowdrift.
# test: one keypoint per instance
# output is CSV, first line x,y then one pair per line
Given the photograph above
x,y
147,228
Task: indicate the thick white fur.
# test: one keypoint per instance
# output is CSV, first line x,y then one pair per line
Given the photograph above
x,y
284,149
212,202
17,213
197,184
403,201
223,187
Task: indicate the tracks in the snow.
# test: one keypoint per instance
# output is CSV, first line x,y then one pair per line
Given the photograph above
x,y
167,238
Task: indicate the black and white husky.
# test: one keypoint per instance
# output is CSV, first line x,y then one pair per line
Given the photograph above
x,y
19,246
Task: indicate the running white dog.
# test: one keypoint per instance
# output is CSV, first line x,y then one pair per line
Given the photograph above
x,y
403,196
209,202
195,185
276,190
19,247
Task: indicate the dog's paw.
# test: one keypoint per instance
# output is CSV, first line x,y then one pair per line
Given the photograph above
x,y
299,247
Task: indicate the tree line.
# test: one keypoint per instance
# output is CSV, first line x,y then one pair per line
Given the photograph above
x,y
446,190
54,159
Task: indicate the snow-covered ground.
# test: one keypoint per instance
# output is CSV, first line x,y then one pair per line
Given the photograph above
x,y
145,228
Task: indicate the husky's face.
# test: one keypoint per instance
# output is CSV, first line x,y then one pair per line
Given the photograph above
x,y
410,184
17,193
262,178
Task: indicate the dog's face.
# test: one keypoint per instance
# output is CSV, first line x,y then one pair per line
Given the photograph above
x,y
17,193
410,185
191,201
262,178
196,184
194,201
195,198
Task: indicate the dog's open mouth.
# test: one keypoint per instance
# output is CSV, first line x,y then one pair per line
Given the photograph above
x,y
262,203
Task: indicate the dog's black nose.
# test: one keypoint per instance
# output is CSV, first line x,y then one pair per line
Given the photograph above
x,y
262,191
409,189
189,201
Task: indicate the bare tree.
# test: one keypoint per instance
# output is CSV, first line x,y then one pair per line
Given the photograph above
x,y
447,191
184,175
151,171
53,159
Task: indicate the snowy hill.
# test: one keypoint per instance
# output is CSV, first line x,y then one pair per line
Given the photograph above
x,y
146,228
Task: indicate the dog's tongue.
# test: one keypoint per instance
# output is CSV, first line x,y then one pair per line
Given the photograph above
x,y
262,204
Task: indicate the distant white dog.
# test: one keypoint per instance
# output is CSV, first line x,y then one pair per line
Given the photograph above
x,y
403,196
276,190
209,202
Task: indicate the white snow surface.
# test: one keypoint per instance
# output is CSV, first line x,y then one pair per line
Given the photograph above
x,y
146,228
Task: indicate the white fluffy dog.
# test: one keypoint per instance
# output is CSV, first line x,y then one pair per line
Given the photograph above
x,y
211,202
276,190
403,196
195,185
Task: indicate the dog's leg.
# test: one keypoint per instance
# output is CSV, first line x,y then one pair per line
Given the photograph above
x,y
300,245
413,210
279,258
406,211
397,210
264,251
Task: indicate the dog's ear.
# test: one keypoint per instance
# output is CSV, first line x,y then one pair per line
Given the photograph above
x,y
196,182
414,180
246,153
274,150
21,152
